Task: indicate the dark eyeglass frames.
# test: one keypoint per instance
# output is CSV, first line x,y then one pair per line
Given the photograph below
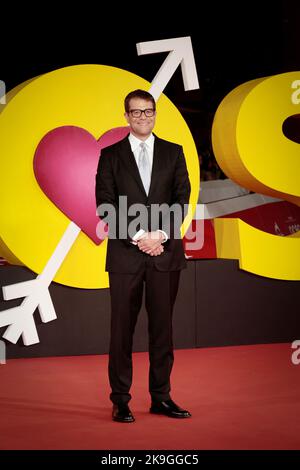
x,y
136,113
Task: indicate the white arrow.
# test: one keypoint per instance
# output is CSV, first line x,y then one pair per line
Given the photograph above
x,y
20,319
181,52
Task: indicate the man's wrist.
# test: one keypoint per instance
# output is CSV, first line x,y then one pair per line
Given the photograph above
x,y
165,236
137,236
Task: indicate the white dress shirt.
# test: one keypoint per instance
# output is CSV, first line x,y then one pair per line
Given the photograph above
x,y
135,147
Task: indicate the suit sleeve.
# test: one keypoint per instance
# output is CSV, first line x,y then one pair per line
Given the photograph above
x,y
181,189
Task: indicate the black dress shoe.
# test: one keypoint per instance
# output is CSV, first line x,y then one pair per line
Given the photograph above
x,y
169,408
122,413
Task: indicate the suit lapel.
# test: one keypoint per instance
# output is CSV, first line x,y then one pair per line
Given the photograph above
x,y
156,165
129,160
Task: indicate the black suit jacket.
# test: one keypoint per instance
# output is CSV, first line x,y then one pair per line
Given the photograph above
x,y
118,175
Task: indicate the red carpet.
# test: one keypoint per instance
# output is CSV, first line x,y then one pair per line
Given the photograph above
x,y
245,397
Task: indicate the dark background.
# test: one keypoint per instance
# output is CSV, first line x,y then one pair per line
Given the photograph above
x,y
233,42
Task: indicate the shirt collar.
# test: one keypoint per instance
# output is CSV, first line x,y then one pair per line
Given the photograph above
x,y
135,142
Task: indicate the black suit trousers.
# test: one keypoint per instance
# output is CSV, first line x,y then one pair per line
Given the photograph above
x,y
126,290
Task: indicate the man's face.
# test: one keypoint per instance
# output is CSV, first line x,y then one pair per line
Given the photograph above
x,y
140,126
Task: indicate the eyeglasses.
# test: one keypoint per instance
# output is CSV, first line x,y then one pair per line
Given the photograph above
x,y
136,113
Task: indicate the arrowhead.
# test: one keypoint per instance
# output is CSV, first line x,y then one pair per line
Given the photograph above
x,y
181,52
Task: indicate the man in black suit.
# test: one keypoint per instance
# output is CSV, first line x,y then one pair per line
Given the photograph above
x,y
146,170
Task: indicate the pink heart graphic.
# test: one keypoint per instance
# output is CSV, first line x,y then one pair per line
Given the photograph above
x,y
65,166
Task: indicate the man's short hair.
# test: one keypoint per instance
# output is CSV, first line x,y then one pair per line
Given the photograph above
x,y
144,95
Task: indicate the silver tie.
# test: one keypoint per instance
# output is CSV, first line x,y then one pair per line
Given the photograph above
x,y
144,167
